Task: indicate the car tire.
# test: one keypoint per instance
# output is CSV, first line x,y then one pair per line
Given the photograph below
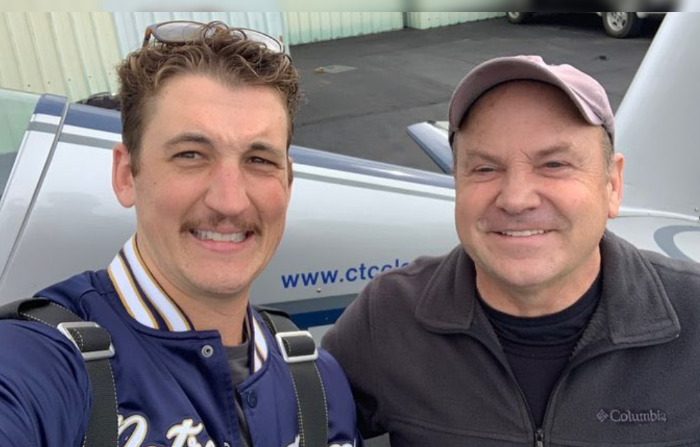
x,y
621,24
518,17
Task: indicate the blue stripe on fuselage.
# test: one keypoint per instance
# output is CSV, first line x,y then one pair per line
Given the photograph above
x,y
94,118
50,105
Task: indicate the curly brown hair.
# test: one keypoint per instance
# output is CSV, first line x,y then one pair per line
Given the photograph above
x,y
226,56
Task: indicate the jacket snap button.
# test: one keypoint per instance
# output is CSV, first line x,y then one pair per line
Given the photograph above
x,y
252,399
207,351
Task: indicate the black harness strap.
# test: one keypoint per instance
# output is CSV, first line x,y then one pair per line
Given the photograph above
x,y
94,342
299,351
95,345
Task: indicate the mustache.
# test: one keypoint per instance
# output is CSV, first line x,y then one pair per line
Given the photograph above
x,y
496,220
214,221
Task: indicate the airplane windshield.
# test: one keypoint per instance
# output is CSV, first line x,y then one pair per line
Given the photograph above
x,y
16,109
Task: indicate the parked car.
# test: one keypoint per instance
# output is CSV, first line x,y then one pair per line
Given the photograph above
x,y
616,24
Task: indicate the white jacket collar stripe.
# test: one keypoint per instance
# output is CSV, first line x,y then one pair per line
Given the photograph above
x,y
140,294
166,308
128,293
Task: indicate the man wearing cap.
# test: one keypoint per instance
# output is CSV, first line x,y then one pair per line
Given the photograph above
x,y
542,328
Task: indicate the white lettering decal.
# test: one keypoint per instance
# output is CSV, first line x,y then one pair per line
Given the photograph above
x,y
183,434
139,434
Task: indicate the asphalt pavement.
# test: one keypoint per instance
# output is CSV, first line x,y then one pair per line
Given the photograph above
x,y
362,92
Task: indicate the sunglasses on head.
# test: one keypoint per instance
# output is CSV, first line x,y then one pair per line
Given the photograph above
x,y
184,31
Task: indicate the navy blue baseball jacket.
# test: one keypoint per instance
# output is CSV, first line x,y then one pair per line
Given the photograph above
x,y
174,385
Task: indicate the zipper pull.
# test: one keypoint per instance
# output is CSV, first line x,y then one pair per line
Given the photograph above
x,y
539,438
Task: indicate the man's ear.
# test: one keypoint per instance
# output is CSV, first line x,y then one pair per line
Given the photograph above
x,y
617,180
122,176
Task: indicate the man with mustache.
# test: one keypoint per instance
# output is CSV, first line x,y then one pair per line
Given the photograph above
x,y
542,328
207,114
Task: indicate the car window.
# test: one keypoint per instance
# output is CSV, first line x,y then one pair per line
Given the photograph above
x,y
16,109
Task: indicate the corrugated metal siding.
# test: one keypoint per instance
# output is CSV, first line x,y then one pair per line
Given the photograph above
x,y
305,27
131,25
424,20
74,54
69,54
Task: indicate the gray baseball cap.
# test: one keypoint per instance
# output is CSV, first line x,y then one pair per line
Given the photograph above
x,y
584,91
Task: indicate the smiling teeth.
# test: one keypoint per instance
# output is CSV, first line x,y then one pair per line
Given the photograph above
x,y
219,237
523,233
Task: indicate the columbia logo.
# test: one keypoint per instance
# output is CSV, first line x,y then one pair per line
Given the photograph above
x,y
602,415
627,416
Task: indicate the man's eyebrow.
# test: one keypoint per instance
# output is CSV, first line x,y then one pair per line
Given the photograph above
x,y
262,146
189,137
473,154
556,149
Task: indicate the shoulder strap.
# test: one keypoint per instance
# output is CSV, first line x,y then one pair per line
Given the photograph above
x,y
299,351
95,344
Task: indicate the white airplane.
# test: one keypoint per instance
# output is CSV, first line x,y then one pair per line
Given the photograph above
x,y
350,219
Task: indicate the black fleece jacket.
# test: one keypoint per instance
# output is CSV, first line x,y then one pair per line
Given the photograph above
x,y
426,366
